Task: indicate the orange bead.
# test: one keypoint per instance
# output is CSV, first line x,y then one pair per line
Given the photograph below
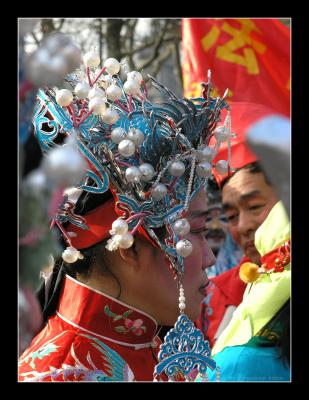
x,y
248,272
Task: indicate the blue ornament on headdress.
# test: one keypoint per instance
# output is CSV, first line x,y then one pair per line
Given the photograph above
x,y
184,349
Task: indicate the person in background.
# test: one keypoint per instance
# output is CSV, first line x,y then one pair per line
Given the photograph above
x,y
247,198
228,253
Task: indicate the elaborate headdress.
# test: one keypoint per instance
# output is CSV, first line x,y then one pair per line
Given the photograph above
x,y
153,157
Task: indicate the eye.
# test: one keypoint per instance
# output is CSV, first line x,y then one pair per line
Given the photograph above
x,y
256,207
232,218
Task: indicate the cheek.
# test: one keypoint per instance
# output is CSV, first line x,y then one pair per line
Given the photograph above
x,y
234,232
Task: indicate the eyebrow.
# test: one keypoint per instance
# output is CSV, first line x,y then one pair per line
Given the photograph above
x,y
196,214
242,198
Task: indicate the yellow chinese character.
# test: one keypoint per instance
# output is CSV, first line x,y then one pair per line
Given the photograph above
x,y
240,38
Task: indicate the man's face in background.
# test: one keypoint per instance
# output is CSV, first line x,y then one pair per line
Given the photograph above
x,y
216,224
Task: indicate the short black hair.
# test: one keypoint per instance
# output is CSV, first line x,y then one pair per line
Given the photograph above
x,y
254,168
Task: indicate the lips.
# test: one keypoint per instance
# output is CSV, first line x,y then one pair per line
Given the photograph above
x,y
249,245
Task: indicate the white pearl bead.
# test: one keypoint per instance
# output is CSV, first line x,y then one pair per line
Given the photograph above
x,y
222,167
133,174
159,191
82,90
182,299
119,227
125,241
91,59
113,92
177,168
112,66
97,105
204,169
96,92
182,306
222,133
70,255
110,116
205,154
118,134
135,76
131,87
136,136
184,248
181,227
64,97
147,172
126,148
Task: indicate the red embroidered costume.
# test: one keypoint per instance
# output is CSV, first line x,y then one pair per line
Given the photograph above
x,y
92,337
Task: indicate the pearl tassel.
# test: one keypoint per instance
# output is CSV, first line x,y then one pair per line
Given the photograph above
x,y
182,299
186,206
228,126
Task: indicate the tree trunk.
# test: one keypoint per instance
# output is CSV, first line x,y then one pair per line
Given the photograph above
x,y
113,39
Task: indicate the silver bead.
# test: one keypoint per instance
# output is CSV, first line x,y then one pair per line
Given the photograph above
x,y
131,87
110,116
204,169
184,248
222,167
112,66
71,255
113,92
96,92
64,97
97,105
118,134
205,153
126,148
82,90
177,168
133,174
125,241
159,191
135,76
222,133
181,227
136,136
91,59
147,172
119,227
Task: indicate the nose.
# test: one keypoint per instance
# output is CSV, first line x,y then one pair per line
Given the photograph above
x,y
208,256
246,224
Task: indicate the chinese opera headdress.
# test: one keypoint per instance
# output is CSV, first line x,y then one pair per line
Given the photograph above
x,y
152,156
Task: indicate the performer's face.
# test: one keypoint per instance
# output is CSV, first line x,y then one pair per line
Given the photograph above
x,y
247,200
153,287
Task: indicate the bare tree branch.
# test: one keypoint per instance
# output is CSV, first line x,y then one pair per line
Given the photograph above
x,y
159,61
157,47
178,62
35,38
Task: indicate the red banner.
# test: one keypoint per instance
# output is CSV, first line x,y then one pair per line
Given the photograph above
x,y
250,57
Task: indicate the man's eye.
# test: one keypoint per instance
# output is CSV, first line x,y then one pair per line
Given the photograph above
x,y
256,207
232,217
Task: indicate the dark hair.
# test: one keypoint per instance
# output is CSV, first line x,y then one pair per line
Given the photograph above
x,y
49,295
254,168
